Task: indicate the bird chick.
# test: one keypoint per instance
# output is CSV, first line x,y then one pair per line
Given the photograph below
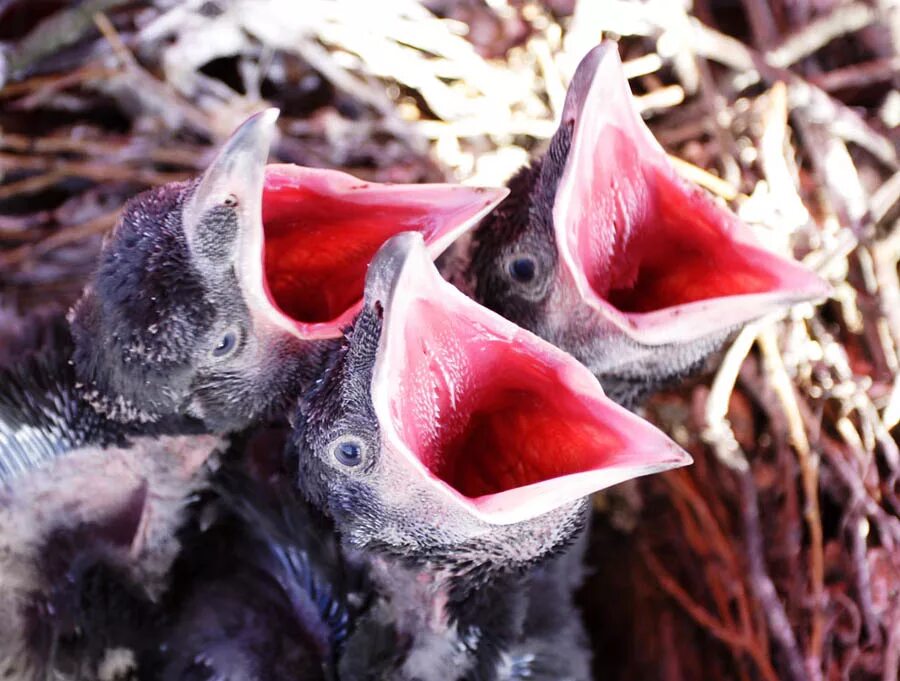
x,y
605,251
456,451
89,508
86,543
216,298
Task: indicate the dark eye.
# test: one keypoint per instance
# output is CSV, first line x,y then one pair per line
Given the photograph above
x,y
522,268
348,452
231,201
226,345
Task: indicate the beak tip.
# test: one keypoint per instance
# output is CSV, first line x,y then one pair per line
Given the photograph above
x,y
385,269
677,457
401,245
483,197
258,131
269,116
604,55
498,194
492,196
814,290
263,123
671,455
251,139
607,49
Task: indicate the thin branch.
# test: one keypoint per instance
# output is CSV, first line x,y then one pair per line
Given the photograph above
x,y
809,473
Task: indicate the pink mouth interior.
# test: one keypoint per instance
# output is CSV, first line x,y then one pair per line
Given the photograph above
x,y
485,415
668,246
320,234
318,246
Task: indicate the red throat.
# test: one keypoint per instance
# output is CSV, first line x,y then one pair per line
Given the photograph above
x,y
322,228
488,413
499,420
641,243
668,244
319,246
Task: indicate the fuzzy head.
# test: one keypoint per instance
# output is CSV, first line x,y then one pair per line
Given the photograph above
x,y
604,250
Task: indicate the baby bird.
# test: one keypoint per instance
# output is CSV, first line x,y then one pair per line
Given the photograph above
x,y
216,298
45,411
86,543
110,567
89,507
456,451
605,251
213,305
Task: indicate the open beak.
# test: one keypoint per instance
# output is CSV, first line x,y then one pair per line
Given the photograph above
x,y
651,253
497,420
307,235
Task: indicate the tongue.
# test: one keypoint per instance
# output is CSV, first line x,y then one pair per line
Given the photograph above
x,y
498,420
648,250
323,227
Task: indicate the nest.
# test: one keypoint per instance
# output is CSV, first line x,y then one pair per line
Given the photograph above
x,y
777,555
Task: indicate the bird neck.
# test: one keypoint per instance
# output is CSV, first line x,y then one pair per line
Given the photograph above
x,y
490,551
467,555
451,622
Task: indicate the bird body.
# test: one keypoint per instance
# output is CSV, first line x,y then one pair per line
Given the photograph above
x,y
83,536
454,451
443,625
450,450
91,497
180,332
261,590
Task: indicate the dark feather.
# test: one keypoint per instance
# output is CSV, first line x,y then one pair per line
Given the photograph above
x,y
42,414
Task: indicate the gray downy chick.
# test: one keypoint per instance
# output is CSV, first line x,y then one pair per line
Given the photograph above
x,y
89,507
455,451
605,251
86,543
216,298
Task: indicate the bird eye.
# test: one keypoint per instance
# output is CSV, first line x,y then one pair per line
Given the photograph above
x,y
348,452
231,201
226,345
522,268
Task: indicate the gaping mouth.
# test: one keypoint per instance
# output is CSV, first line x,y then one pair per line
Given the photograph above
x,y
485,415
499,420
644,246
307,235
669,248
322,228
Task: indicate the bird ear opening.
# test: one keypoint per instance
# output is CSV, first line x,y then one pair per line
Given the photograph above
x,y
230,191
